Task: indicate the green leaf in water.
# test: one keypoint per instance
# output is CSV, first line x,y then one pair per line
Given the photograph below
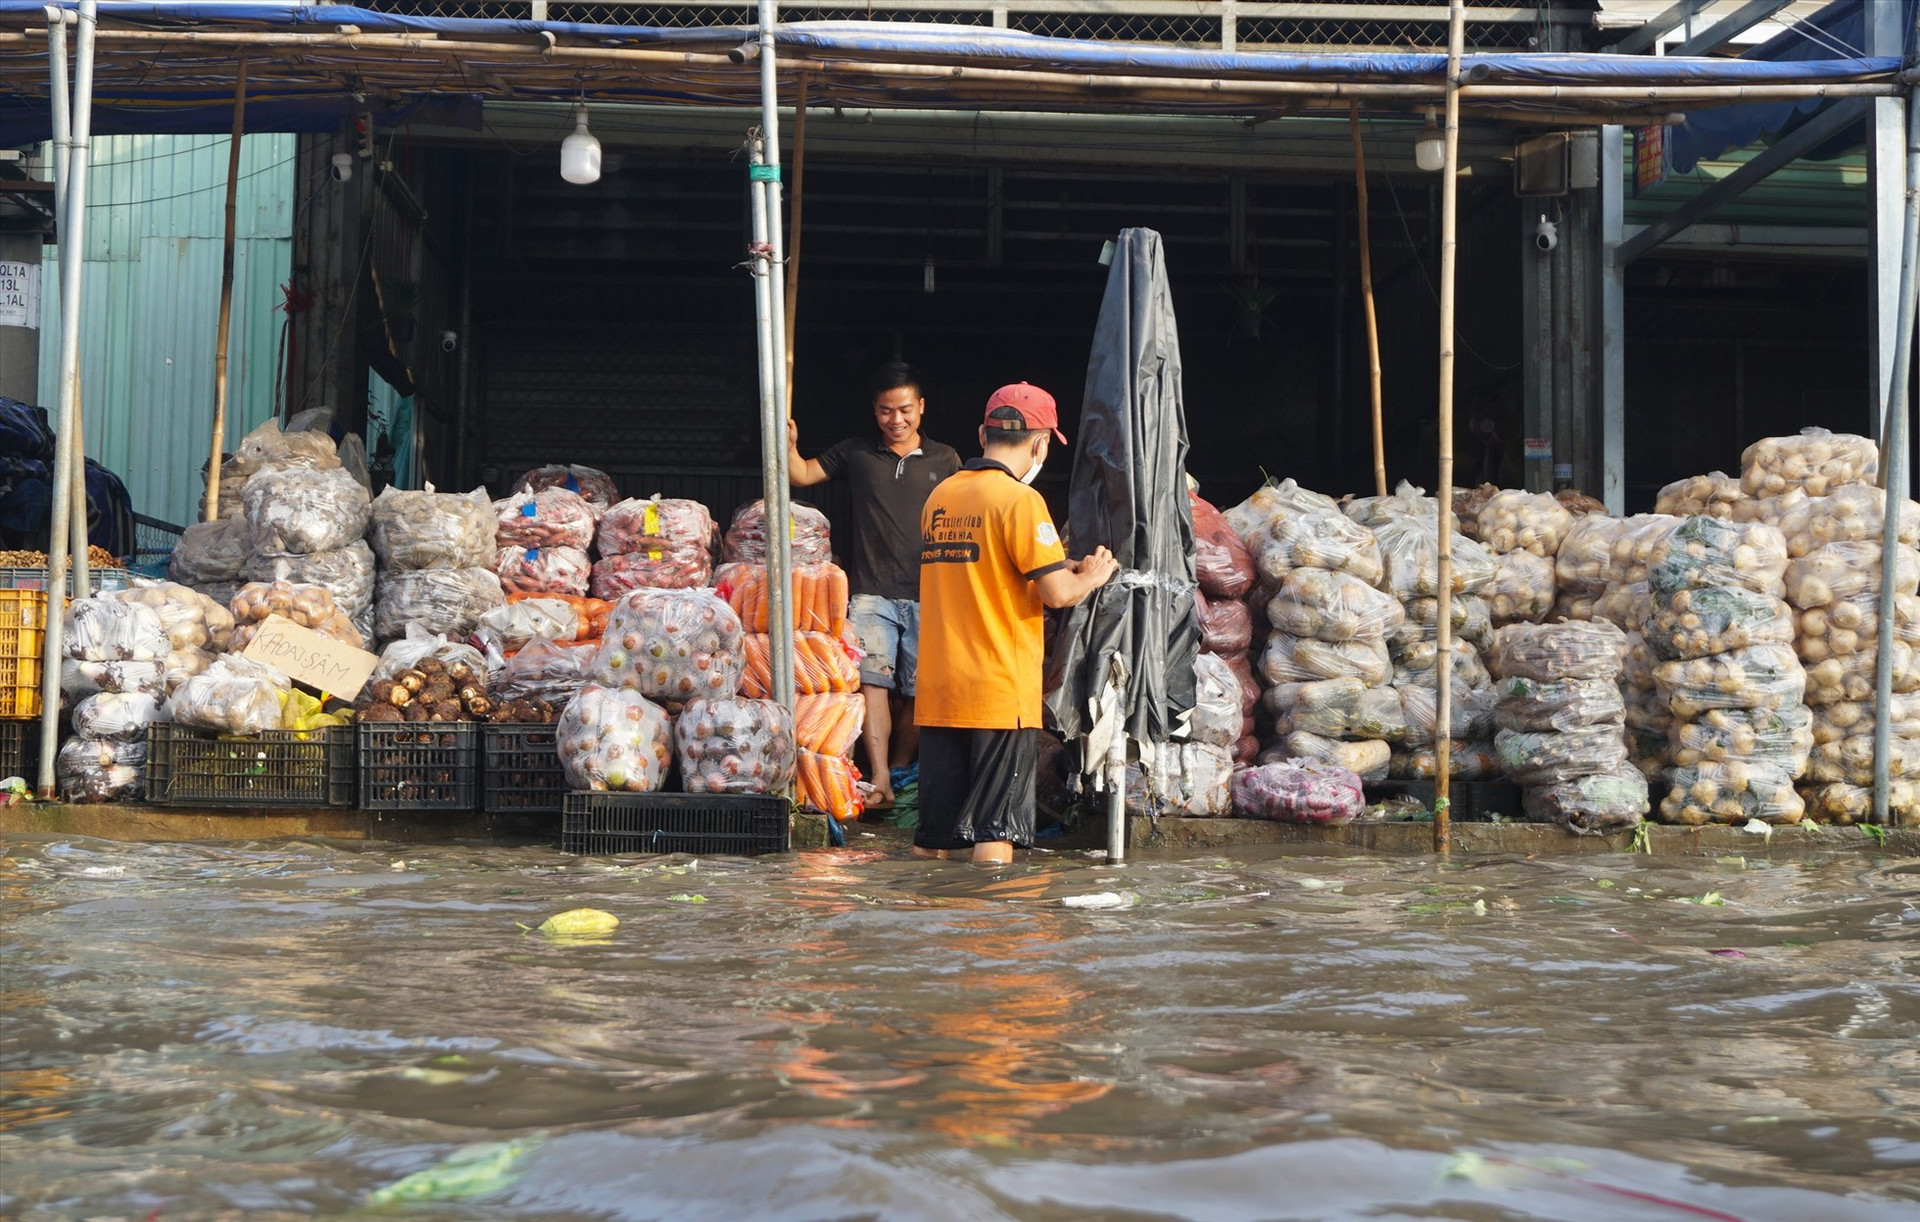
x,y
1711,899
1605,884
1874,832
1642,840
681,897
470,1171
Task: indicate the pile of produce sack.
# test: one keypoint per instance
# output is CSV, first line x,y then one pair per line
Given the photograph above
x,y
1562,735
658,543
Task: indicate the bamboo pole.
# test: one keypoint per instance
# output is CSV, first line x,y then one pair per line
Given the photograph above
x,y
1366,302
220,337
793,227
1449,223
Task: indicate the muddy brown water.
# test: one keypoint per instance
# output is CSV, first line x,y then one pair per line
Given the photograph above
x,y
295,1029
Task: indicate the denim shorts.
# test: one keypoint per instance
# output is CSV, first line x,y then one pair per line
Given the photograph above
x,y
889,632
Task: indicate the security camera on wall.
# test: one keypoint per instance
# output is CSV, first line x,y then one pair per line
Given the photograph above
x,y
341,167
1546,234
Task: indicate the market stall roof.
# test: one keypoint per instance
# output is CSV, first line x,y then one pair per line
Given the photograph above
x,y
171,67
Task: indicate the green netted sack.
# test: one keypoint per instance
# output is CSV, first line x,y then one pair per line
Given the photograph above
x,y
1549,757
1590,805
1698,621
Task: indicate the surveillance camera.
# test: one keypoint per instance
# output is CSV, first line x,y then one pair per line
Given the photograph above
x,y
449,341
342,167
1546,235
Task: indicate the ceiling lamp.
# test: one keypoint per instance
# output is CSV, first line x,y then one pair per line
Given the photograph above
x,y
1429,147
580,152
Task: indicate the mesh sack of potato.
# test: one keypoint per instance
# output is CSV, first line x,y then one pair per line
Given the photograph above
x,y
1846,718
1583,564
1417,664
672,645
1559,704
1325,539
424,529
1193,780
210,552
1852,626
1469,713
1251,517
1702,552
1713,495
1549,652
1410,558
1470,615
1547,757
1513,520
1816,460
1851,760
1366,758
107,630
1781,737
550,517
1466,761
1332,606
1590,805
1852,514
1522,589
734,746
1299,791
306,605
1848,571
191,619
232,696
1407,501
1758,677
1730,792
1696,622
1292,659
293,513
449,601
347,572
1849,804
614,739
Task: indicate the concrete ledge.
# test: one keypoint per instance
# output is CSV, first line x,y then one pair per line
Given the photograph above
x,y
1173,837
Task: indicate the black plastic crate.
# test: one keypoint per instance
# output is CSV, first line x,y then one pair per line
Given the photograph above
x,y
275,768
20,749
705,824
1469,801
419,766
522,769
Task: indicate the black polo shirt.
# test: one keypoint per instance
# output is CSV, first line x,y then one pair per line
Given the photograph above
x,y
888,491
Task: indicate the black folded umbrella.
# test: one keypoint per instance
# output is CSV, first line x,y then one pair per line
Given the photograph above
x,y
1128,492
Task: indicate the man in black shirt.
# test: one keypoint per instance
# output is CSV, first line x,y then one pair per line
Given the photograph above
x,y
890,477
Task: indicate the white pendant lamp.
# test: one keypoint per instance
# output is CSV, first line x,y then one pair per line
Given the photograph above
x,y
580,152
1429,147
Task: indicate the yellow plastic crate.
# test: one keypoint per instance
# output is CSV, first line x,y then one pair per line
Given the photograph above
x,y
23,638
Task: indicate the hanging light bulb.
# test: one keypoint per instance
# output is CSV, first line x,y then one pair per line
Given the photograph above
x,y
1430,146
580,152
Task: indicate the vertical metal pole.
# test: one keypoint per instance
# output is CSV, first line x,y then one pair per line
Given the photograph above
x,y
1117,790
1893,458
57,21
1443,637
72,256
1613,322
79,538
1366,303
224,326
780,497
791,299
1884,34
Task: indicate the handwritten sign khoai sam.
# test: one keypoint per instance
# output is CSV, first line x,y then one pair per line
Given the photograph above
x,y
303,655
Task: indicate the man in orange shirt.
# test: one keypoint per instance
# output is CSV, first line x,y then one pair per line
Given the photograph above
x,y
990,563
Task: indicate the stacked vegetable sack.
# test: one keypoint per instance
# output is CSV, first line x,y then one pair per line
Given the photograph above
x,y
1562,734
436,552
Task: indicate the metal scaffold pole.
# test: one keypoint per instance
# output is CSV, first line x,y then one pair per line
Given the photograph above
x,y
779,496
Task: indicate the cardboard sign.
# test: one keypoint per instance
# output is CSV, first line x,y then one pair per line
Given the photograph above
x,y
332,667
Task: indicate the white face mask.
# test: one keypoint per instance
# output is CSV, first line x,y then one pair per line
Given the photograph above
x,y
1033,472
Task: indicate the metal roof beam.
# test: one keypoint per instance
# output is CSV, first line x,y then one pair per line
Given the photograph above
x,y
1643,38
1734,24
1803,139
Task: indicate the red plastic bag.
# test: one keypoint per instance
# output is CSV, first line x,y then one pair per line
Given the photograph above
x,y
1298,791
1220,560
1226,626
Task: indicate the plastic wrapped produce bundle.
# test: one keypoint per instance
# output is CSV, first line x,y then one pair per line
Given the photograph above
x,y
449,601
1226,625
1649,720
1713,495
672,645
1626,606
1325,539
300,512
122,716
1407,501
545,670
1549,652
299,449
347,572
432,530
1849,804
1298,791
1410,557
1522,589
106,630
1561,705
810,541
614,739
1851,760
1704,551
1343,708
1548,757
190,619
1330,606
461,661
233,696
1845,718
1368,758
1289,659
1816,460
735,746
1590,805
1216,709
1466,761
1220,560
1694,623
551,517
306,605
543,570
1759,677
102,770
78,680
514,625
1417,664
1852,514
1470,713
1467,503
666,542
1844,571
594,487
1781,737
1584,563
1851,676
1523,521
820,598
210,552
1251,517
1469,613
1731,792
821,664
828,723
1184,779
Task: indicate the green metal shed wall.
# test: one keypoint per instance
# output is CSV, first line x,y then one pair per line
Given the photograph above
x,y
155,219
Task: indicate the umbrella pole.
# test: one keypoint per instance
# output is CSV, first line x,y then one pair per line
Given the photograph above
x,y
221,328
1449,220
1366,301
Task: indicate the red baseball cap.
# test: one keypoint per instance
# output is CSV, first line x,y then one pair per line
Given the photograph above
x,y
1035,406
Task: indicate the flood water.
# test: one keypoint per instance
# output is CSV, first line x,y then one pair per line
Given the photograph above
x,y
295,1029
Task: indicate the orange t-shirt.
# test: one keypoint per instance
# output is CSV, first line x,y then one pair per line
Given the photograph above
x,y
984,539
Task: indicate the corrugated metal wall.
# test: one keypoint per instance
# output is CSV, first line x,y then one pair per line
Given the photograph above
x,y
155,220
